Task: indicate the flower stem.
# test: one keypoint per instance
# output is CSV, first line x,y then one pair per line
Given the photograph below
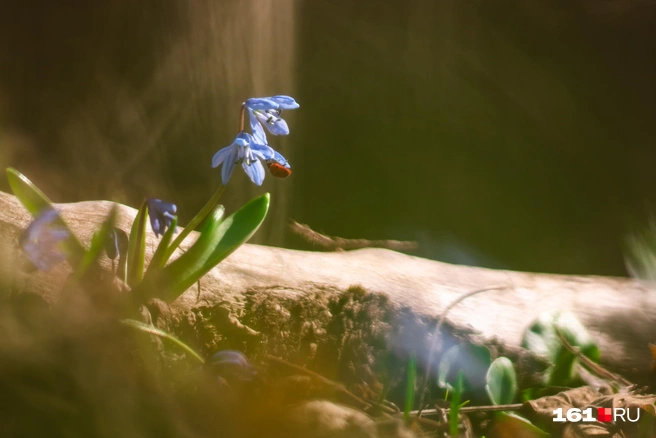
x,y
241,118
202,214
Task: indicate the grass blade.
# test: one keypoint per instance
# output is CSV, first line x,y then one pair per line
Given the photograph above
x,y
137,247
98,241
147,328
158,261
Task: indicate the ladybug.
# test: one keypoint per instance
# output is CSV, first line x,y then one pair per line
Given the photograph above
x,y
279,170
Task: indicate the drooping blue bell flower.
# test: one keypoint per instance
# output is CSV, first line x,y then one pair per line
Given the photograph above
x,y
266,111
116,244
231,365
271,103
161,215
248,152
42,240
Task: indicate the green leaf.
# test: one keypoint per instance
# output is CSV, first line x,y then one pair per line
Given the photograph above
x,y
137,247
217,240
577,335
36,202
27,193
204,212
472,360
501,382
147,328
455,405
158,261
98,241
410,388
541,338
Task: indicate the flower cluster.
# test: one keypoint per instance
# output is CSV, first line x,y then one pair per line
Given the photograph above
x,y
250,150
44,240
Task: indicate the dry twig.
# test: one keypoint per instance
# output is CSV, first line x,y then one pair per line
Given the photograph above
x,y
332,243
589,364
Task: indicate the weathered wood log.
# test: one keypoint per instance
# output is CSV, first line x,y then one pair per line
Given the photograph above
x,y
619,312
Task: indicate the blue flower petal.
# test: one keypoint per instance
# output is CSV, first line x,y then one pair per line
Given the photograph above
x,y
154,224
279,127
231,365
258,131
273,123
285,102
222,155
243,139
263,151
261,103
278,158
255,171
161,214
229,166
167,209
59,234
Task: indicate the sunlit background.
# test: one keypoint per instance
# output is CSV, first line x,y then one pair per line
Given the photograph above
x,y
508,134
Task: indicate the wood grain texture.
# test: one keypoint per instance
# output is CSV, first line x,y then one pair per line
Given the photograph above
x,y
619,312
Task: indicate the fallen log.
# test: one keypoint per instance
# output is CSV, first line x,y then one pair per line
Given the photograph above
x,y
620,313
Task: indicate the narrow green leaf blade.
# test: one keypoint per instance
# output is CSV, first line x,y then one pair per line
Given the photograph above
x,y
410,388
146,328
98,241
218,239
455,405
35,201
204,212
152,285
158,261
137,247
27,193
501,382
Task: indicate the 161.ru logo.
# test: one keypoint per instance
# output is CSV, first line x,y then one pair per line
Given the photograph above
x,y
604,415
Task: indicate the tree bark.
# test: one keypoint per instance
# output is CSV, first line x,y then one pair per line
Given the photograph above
x,y
620,313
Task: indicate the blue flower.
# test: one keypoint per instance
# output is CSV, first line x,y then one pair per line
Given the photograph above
x,y
42,240
270,103
250,150
161,215
111,244
265,111
231,365
116,244
247,151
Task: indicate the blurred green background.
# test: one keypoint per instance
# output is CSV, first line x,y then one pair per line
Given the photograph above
x,y
508,134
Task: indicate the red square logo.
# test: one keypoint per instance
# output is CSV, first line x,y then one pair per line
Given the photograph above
x,y
604,415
